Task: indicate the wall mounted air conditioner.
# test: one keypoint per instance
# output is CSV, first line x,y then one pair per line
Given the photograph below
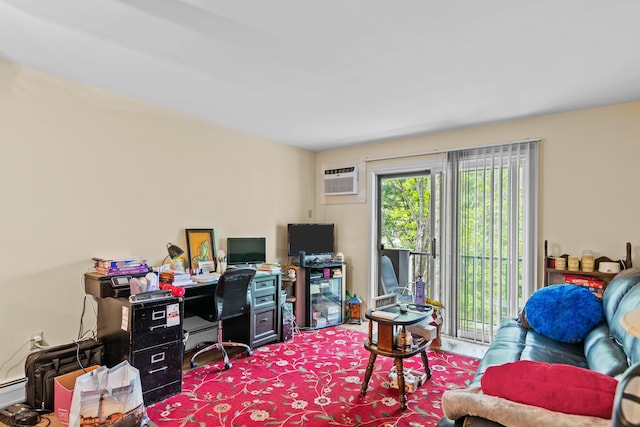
x,y
341,181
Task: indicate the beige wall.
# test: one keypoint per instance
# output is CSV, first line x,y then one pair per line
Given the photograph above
x,y
589,194
88,173
84,174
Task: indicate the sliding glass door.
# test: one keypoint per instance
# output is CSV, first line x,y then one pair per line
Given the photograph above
x,y
408,225
490,236
468,228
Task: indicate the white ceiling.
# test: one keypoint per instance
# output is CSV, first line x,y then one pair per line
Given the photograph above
x,y
330,73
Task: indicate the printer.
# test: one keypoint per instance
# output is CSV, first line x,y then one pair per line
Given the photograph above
x,y
108,286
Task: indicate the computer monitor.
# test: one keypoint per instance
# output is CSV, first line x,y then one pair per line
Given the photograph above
x,y
313,239
246,250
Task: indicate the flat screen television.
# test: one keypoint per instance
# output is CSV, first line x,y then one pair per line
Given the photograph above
x,y
313,239
246,250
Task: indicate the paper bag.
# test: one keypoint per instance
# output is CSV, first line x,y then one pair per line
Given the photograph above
x,y
110,397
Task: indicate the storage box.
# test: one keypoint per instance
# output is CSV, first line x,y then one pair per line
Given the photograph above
x,y
412,379
425,330
63,386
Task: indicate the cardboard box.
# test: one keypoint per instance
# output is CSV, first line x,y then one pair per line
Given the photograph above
x,y
63,393
412,379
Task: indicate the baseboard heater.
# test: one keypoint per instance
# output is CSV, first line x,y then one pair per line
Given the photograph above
x,y
13,392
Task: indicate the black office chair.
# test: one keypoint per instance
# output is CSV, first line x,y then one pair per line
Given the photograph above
x,y
390,281
231,299
626,405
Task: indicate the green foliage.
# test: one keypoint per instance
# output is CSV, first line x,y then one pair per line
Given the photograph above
x,y
406,215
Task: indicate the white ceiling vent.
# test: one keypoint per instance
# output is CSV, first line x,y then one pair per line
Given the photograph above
x,y
341,181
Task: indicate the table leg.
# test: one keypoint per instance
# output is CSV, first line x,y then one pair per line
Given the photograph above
x,y
400,372
367,374
425,362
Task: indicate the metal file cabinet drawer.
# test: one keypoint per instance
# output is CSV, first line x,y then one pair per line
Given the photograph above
x,y
159,365
150,325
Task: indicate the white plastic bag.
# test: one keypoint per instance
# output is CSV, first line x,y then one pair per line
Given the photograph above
x,y
108,397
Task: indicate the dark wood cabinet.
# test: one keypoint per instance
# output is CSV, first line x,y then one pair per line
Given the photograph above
x,y
262,324
320,295
265,310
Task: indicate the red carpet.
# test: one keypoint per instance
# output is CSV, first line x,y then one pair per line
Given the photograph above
x,y
312,380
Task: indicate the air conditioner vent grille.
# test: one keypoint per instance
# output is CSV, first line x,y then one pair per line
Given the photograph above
x,y
339,181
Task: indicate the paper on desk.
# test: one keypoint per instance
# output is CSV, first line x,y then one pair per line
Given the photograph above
x,y
384,314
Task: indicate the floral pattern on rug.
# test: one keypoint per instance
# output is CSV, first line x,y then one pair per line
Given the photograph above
x,y
313,379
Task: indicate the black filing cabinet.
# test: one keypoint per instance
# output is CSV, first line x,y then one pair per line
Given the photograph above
x,y
148,334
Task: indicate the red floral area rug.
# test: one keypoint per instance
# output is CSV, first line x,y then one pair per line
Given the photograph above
x,y
313,379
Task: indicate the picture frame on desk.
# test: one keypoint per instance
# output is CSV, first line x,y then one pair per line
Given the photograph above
x,y
200,245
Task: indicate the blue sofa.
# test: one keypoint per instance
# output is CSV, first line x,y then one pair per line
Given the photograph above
x,y
608,348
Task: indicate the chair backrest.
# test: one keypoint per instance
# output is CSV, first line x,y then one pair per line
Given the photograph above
x,y
390,281
232,297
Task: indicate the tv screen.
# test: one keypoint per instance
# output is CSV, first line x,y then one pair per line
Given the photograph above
x,y
246,250
313,239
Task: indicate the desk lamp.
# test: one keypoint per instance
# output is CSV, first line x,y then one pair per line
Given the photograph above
x,y
627,412
174,252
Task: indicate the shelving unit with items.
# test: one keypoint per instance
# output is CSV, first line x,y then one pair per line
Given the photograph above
x,y
596,278
320,295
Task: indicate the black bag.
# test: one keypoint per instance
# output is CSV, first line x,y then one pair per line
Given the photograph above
x,y
43,366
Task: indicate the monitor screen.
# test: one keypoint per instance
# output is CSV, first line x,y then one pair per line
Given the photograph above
x,y
313,239
246,250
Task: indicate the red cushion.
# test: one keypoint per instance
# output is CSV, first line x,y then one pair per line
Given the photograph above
x,y
560,388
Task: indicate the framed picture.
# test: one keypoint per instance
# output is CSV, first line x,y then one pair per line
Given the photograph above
x,y
200,245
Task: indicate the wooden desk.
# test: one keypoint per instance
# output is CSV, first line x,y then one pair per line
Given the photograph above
x,y
383,343
260,326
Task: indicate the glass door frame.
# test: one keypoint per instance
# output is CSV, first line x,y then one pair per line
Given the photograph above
x,y
435,165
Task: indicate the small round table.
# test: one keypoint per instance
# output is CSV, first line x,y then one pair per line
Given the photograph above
x,y
383,344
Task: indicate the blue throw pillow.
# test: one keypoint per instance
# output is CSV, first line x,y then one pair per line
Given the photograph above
x,y
565,313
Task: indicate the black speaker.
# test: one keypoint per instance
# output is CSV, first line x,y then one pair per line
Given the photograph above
x,y
302,259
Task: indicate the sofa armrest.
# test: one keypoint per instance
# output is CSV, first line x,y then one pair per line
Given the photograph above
x,y
471,402
603,353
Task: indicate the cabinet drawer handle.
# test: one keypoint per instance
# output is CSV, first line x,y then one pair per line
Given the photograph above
x,y
153,371
151,328
157,315
158,357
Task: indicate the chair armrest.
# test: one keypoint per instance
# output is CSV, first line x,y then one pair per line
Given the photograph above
x,y
405,290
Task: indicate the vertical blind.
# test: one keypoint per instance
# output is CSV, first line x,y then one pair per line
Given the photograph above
x,y
490,236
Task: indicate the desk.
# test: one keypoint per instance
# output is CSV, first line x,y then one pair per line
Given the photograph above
x,y
199,324
383,344
260,327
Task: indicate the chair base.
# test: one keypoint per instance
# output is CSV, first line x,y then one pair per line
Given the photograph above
x,y
220,346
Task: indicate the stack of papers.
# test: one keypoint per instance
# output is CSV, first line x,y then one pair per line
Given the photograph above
x,y
384,314
206,278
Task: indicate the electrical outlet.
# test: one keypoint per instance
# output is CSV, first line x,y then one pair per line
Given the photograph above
x,y
36,338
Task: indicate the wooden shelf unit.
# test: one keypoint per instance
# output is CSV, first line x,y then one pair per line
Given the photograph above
x,y
550,272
